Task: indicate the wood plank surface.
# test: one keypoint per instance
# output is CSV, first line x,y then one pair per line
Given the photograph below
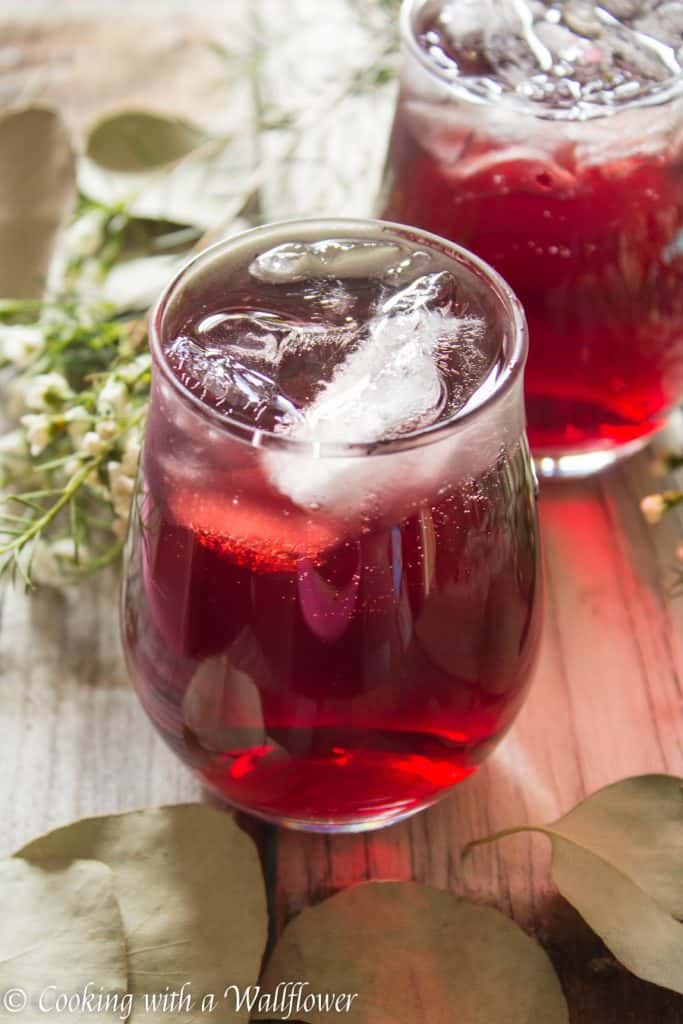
x,y
607,700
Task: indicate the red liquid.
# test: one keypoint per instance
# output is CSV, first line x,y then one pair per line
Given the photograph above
x,y
591,251
311,677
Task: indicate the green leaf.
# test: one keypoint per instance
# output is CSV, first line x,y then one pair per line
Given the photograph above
x,y
163,168
413,953
191,893
618,859
61,927
37,191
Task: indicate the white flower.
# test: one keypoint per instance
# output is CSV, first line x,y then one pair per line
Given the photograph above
x,y
71,467
113,397
45,569
78,421
45,389
21,344
131,456
38,431
65,548
106,429
653,508
14,459
121,487
86,234
131,371
47,560
92,444
12,443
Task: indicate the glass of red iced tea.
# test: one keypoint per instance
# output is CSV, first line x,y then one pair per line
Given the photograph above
x,y
331,595
548,138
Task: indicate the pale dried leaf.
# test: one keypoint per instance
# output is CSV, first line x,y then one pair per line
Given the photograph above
x,y
165,168
61,927
413,953
190,888
618,859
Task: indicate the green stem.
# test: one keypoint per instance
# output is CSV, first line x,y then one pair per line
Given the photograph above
x,y
67,494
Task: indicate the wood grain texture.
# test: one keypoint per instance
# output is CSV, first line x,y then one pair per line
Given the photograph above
x,y
607,700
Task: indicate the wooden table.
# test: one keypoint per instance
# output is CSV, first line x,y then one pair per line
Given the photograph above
x,y
607,700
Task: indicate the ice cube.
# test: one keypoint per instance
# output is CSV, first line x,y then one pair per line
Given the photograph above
x,y
407,269
389,385
253,334
333,257
573,55
214,373
390,382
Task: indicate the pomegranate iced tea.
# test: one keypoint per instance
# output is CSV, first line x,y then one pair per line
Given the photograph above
x,y
331,603
548,138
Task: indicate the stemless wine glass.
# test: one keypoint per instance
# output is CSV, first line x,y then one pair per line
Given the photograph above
x,y
332,634
548,139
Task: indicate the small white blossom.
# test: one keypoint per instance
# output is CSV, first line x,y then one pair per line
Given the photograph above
x,y
95,484
72,466
78,422
113,397
45,570
86,234
47,561
44,389
653,508
131,456
130,372
14,456
106,429
21,344
121,486
92,444
38,431
12,443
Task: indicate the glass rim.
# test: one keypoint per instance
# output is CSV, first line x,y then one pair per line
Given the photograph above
x,y
673,86
512,361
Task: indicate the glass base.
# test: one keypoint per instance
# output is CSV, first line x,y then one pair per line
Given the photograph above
x,y
553,466
330,827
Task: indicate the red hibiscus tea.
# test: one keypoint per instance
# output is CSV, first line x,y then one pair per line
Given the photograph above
x,y
331,597
548,138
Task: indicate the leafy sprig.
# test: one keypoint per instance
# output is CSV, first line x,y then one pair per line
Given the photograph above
x,y
76,364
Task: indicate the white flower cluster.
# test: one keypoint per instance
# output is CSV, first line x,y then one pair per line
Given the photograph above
x,y
20,344
50,560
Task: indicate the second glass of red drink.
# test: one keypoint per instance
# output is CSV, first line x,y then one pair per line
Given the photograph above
x,y
331,594
547,137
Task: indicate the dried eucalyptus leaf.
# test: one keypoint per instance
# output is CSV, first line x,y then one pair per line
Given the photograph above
x,y
37,191
61,932
191,893
139,141
413,953
618,859
163,168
